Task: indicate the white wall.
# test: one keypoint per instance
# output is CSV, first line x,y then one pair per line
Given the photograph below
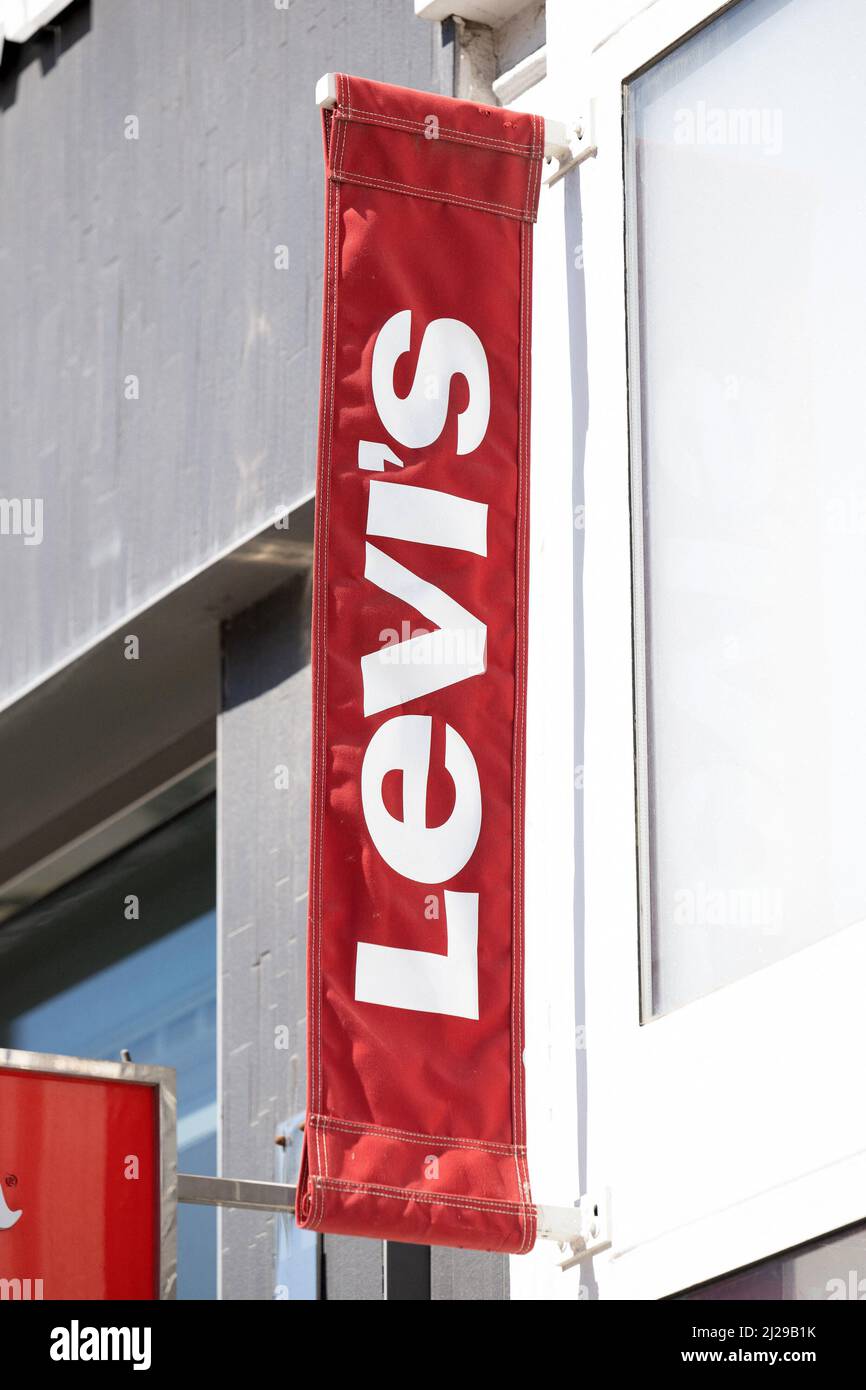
x,y
724,1130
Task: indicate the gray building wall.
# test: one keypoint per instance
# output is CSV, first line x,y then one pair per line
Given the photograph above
x,y
263,799
155,258
468,1276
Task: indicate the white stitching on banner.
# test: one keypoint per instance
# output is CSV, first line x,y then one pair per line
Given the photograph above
x,y
453,136
382,1131
432,194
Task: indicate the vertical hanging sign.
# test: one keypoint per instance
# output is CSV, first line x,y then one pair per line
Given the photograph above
x,y
416,1117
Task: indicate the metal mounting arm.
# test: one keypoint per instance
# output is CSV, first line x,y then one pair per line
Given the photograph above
x,y
585,1228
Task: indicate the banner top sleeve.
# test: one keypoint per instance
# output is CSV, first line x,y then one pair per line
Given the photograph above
x,y
482,157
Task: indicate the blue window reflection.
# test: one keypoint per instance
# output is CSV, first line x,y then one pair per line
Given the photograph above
x,y
148,985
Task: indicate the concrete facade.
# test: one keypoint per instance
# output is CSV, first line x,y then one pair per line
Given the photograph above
x,y
161,234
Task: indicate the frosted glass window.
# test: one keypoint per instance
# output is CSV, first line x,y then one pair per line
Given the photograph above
x,y
828,1270
746,209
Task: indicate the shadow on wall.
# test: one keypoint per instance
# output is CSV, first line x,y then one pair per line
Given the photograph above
x,y
46,47
574,277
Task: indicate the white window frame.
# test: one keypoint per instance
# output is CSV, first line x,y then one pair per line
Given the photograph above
x,y
732,1128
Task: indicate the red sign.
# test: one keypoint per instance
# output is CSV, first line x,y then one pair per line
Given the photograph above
x,y
79,1187
416,1118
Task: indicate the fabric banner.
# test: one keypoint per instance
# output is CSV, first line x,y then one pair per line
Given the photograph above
x,y
416,1119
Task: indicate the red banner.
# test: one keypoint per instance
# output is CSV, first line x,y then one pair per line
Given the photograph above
x,y
416,1117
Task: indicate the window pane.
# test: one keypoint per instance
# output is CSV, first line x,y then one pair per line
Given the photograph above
x,y
746,204
81,977
831,1269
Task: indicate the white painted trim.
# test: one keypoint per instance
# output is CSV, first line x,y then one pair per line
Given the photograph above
x,y
20,19
778,1219
530,70
490,12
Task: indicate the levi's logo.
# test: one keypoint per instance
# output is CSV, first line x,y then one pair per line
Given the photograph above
x,y
7,1217
423,981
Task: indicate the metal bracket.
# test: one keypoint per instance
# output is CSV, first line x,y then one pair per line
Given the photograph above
x,y
576,145
585,1229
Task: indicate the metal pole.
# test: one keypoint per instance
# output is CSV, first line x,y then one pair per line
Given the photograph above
x,y
244,1193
